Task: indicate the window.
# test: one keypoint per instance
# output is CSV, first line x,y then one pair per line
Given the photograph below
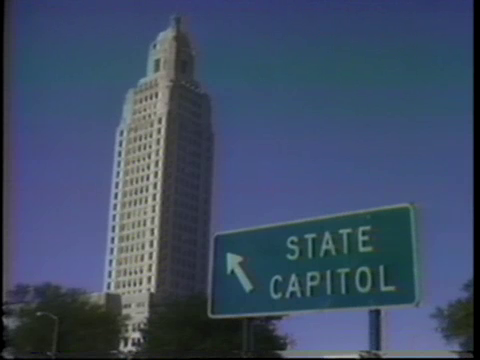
x,y
156,65
183,66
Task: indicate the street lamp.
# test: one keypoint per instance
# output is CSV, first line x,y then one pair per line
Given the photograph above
x,y
55,330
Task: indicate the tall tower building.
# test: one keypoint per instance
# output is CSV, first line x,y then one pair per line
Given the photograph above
x,y
159,218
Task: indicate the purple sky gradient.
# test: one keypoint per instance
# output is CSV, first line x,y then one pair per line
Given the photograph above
x,y
319,107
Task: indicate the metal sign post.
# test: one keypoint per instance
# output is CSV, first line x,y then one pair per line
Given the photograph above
x,y
247,337
375,330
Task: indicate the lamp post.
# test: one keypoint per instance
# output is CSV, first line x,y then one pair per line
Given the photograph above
x,y
55,330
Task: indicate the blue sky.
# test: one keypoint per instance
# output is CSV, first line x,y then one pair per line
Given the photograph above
x,y
319,108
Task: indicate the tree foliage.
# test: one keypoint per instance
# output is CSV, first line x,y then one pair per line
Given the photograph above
x,y
455,321
84,328
181,328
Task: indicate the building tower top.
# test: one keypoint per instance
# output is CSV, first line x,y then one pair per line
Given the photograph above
x,y
171,55
176,22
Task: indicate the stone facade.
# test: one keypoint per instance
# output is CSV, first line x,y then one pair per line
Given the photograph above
x,y
159,219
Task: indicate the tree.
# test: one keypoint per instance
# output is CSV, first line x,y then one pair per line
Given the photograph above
x,y
181,328
455,321
84,328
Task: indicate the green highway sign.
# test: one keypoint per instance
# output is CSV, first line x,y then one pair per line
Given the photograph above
x,y
365,259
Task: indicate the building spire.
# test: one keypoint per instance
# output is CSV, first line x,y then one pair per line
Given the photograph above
x,y
175,22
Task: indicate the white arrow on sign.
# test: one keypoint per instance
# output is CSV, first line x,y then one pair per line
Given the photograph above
x,y
233,264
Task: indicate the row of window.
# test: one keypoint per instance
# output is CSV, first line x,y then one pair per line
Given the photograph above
x,y
191,126
183,245
146,211
132,177
141,128
138,222
135,291
188,264
136,326
140,131
187,205
188,183
126,216
134,224
139,304
179,247
188,173
134,341
189,163
124,272
145,98
181,221
142,148
133,236
140,173
183,275
187,229
136,191
132,180
130,235
125,249
150,110
142,159
132,283
189,152
146,109
139,118
140,201
189,100
138,170
183,215
188,140
184,193
190,113
134,259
